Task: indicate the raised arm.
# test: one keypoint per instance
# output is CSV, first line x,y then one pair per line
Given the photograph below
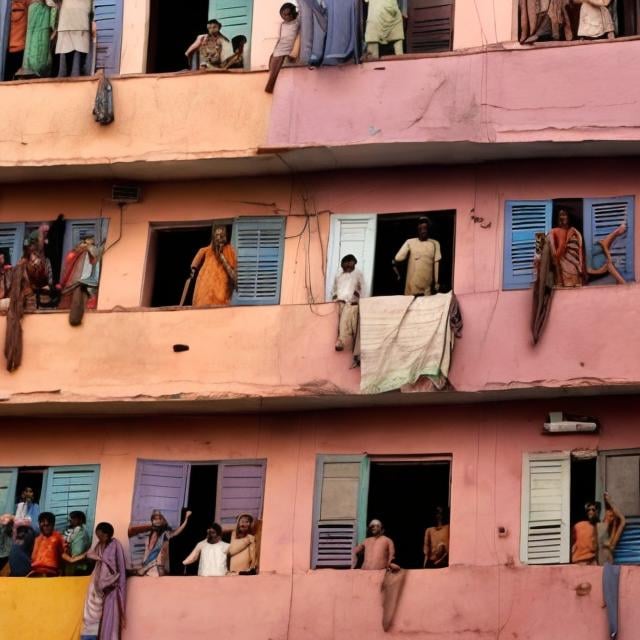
x,y
619,522
134,530
180,529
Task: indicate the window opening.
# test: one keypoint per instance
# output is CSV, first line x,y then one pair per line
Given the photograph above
x,y
393,230
32,477
175,248
393,489
171,32
583,486
201,501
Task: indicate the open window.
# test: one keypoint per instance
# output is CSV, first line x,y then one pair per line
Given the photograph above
x,y
59,490
594,218
173,28
375,239
352,490
213,491
259,246
555,488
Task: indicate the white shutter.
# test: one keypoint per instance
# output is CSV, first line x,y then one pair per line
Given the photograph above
x,y
545,535
356,234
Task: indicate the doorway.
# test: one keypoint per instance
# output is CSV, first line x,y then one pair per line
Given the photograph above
x,y
404,496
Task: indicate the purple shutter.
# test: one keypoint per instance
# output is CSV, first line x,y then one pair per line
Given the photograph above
x,y
240,490
159,485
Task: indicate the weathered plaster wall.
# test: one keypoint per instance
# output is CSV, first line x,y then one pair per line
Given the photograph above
x,y
484,594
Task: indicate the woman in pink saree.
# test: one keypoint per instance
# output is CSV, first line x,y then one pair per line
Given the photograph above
x,y
104,608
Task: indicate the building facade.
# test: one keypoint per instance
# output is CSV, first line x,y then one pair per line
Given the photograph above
x,y
149,404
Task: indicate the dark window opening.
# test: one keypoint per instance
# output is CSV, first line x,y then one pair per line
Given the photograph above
x,y
173,250
172,31
574,207
393,230
404,496
30,477
583,486
201,501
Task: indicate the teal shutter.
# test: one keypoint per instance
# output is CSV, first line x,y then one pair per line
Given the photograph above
x,y
236,17
108,19
601,217
71,489
523,219
12,240
259,244
339,511
8,480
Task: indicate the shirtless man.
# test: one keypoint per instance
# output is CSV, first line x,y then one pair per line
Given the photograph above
x,y
436,542
379,550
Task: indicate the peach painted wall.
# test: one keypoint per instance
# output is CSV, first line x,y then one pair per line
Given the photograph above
x,y
158,118
135,36
481,22
288,347
484,589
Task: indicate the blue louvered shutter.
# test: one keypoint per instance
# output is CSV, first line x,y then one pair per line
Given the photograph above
x,y
259,243
12,240
339,512
236,17
71,489
621,473
159,485
5,22
77,230
108,19
523,219
8,480
601,217
241,490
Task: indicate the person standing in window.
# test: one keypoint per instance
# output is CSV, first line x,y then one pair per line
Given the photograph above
x,y
27,510
436,542
21,550
156,555
17,37
567,252
423,268
217,266
6,539
46,559
212,47
379,550
347,290
285,45
242,549
584,536
212,553
73,35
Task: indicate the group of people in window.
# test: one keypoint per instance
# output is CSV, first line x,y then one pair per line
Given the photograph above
x,y
377,551
49,38
215,557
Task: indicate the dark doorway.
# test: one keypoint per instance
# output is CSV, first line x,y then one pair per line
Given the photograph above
x,y
201,501
573,206
30,477
175,250
404,496
583,486
393,230
172,28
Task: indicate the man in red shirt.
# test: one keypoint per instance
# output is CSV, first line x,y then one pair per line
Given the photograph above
x,y
46,559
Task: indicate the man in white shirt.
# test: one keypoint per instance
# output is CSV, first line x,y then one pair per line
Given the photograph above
x,y
347,289
212,552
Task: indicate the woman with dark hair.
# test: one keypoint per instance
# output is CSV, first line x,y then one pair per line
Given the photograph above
x,y
284,48
20,554
242,549
156,553
104,608
77,543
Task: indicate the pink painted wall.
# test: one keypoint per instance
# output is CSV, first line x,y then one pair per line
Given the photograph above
x,y
518,95
485,589
287,348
